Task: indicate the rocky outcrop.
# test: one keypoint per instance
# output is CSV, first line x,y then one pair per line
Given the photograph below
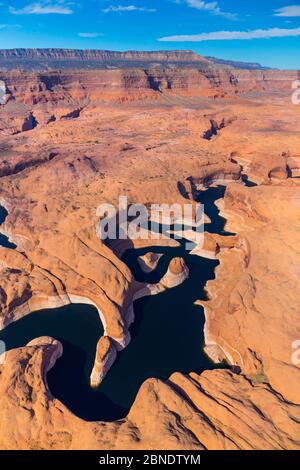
x,y
51,282
212,244
106,355
248,287
177,273
53,179
293,165
188,411
149,261
216,127
216,174
16,122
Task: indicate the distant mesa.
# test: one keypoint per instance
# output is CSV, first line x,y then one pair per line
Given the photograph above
x,y
54,59
238,64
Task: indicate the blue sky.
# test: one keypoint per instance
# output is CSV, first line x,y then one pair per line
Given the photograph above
x,y
265,31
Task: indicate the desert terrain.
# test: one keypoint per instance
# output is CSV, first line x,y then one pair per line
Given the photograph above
x,y
74,139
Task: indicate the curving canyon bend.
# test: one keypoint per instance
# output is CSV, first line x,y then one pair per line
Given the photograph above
x,y
145,344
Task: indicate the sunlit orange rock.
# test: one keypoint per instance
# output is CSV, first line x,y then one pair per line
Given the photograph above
x,y
89,145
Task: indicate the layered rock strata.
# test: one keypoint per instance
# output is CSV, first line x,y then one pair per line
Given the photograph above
x,y
90,86
53,179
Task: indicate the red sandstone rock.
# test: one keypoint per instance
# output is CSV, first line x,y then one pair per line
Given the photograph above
x,y
53,178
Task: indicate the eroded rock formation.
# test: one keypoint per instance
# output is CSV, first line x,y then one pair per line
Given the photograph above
x,y
177,273
106,355
149,261
56,174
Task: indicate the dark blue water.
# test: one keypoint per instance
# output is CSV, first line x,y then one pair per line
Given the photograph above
x,y
4,241
208,198
167,336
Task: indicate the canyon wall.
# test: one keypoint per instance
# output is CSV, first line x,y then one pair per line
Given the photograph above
x,y
65,148
129,84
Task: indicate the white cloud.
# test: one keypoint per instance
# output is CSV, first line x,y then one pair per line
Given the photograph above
x,y
129,8
291,11
231,35
43,8
211,7
89,35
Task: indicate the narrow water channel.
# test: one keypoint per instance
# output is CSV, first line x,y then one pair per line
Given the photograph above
x,y
167,334
4,241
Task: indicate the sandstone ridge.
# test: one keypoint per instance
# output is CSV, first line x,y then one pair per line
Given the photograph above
x,y
82,150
